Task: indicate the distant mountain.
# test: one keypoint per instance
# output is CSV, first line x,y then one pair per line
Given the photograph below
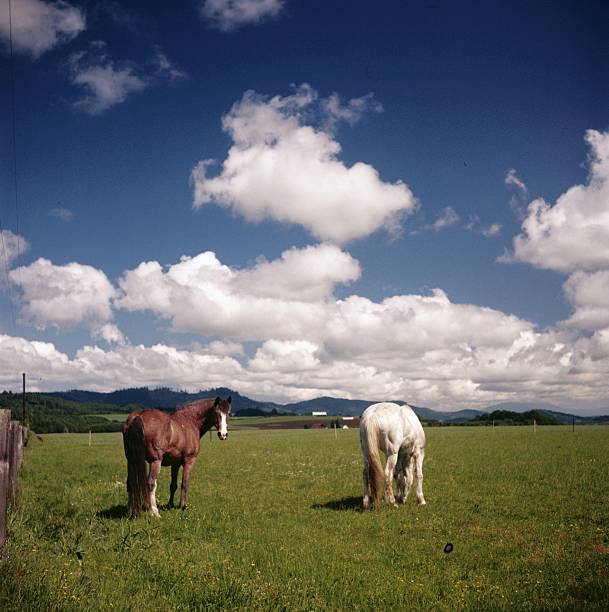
x,y
335,406
168,399
332,405
163,398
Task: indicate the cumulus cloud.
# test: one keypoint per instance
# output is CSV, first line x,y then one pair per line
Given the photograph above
x,y
110,333
200,294
588,292
283,169
519,364
572,234
38,27
307,274
105,370
63,296
229,15
225,348
425,349
422,347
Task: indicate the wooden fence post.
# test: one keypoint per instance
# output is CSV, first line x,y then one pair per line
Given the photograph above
x,y
15,454
5,418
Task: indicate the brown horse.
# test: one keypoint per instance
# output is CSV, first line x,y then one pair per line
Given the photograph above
x,y
174,439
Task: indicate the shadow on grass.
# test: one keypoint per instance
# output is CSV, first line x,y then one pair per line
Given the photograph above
x,y
115,512
120,511
346,503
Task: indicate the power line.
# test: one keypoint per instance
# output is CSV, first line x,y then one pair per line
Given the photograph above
x,y
14,126
15,182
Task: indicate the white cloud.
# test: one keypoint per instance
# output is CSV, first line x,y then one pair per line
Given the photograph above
x,y
282,169
488,231
588,292
107,370
448,216
164,68
407,327
11,247
38,26
351,112
422,348
512,179
518,364
225,348
293,357
228,15
110,333
66,296
105,82
307,274
494,229
573,234
202,295
426,349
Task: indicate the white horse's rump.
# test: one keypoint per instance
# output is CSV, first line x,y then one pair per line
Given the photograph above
x,y
397,431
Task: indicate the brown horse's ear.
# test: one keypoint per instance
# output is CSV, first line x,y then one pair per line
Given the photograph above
x,y
228,400
217,400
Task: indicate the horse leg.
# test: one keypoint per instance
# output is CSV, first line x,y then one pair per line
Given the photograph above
x,y
402,472
366,492
405,478
418,462
155,468
389,467
398,474
173,487
188,465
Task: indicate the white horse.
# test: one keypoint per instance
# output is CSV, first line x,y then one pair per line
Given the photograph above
x,y
397,431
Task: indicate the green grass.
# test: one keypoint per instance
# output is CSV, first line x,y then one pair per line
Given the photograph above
x,y
275,523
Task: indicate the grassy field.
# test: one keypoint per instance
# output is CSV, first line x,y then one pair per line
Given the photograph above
x,y
275,523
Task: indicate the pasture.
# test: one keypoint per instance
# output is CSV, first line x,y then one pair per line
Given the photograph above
x,y
275,523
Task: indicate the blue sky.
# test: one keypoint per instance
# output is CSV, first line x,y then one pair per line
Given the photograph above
x,y
384,201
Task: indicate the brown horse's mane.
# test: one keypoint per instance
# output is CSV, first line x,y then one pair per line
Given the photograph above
x,y
195,411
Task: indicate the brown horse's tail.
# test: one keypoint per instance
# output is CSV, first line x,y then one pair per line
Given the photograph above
x,y
135,451
372,460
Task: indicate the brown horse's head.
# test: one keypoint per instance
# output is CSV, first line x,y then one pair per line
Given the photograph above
x,y
222,412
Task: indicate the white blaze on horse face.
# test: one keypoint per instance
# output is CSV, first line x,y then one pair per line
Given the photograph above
x,y
223,428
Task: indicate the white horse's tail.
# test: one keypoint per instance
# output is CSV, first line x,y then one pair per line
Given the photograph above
x,y
372,460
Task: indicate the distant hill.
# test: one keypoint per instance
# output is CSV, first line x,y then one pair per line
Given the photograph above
x,y
335,406
163,398
125,400
522,407
507,417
